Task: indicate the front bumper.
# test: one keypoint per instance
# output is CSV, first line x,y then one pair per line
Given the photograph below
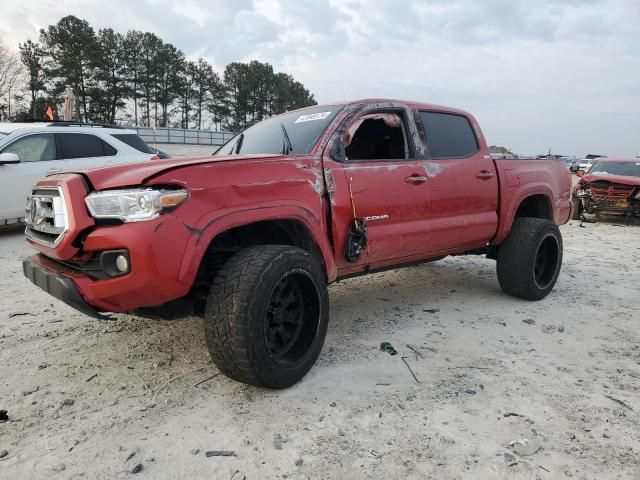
x,y
156,250
614,206
57,285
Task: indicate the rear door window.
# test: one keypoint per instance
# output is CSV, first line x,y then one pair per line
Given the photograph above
x,y
134,141
82,145
448,135
34,148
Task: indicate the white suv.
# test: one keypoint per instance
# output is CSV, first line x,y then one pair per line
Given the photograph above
x,y
30,151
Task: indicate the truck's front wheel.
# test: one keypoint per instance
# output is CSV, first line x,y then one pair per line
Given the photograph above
x,y
266,315
529,259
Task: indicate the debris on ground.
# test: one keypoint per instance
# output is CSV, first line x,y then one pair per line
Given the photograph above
x,y
33,389
529,321
238,475
404,359
525,447
277,441
431,310
137,469
3,416
206,379
387,347
3,453
299,462
620,402
512,414
508,458
415,350
220,453
68,402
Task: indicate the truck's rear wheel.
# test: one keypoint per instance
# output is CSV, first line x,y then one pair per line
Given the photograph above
x,y
530,258
266,315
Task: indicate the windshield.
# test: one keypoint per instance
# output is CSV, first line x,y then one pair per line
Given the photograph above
x,y
303,128
627,169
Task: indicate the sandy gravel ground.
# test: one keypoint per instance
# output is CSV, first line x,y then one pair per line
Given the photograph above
x,y
92,399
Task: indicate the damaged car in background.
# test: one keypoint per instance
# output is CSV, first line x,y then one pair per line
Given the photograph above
x,y
611,187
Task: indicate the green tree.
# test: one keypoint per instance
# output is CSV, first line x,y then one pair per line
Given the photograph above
x,y
497,149
236,76
204,78
31,55
132,46
217,106
151,45
170,64
187,92
71,47
110,87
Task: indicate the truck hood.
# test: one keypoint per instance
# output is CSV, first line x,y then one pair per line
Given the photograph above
x,y
624,180
132,174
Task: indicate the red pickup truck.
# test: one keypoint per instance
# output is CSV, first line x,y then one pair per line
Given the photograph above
x,y
250,237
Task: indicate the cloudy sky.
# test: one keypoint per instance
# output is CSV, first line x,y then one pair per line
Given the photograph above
x,y
558,74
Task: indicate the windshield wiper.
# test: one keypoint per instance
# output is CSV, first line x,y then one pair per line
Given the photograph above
x,y
239,143
286,147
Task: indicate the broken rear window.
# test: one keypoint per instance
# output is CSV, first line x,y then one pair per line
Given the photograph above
x,y
303,129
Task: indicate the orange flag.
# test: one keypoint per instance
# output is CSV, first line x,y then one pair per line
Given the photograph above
x,y
50,113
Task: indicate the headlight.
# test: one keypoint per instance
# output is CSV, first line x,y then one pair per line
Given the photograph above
x,y
583,193
133,205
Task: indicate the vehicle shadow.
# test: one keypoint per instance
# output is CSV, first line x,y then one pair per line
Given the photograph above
x,y
617,220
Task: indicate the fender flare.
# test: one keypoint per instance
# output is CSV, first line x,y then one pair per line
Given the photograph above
x,y
522,193
217,222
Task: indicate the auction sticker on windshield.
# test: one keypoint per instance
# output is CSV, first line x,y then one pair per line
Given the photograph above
x,y
312,116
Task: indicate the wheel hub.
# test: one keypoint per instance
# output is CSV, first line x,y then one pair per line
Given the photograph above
x,y
285,317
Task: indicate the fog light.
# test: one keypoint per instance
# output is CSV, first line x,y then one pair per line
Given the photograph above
x,y
122,263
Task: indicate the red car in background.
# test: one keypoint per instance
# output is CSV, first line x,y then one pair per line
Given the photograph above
x,y
610,186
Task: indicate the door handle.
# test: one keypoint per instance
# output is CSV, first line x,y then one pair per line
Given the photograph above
x,y
416,179
484,175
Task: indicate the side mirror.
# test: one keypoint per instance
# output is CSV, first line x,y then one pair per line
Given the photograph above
x,y
580,173
337,151
9,158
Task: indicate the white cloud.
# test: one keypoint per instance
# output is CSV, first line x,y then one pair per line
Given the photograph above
x,y
559,74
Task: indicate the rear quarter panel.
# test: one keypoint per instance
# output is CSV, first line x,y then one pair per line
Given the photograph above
x,y
520,179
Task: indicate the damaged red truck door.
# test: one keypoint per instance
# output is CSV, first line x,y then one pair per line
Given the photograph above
x,y
250,238
463,184
388,182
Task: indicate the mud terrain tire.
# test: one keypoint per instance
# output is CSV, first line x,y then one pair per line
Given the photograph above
x,y
530,258
266,315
